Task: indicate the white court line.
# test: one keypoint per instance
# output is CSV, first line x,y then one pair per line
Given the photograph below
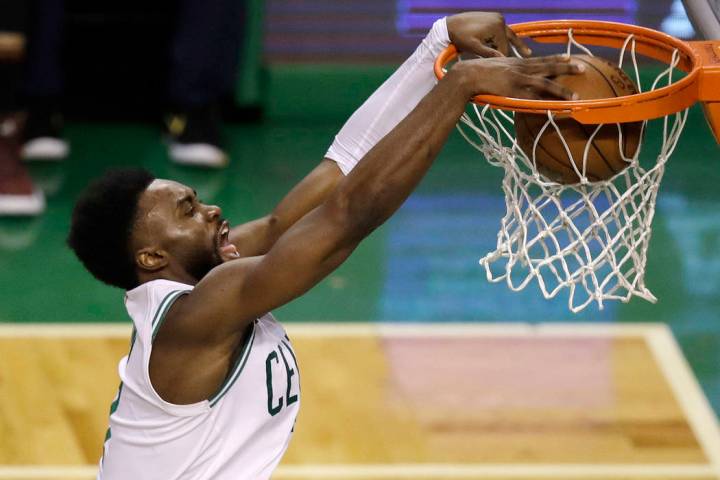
x,y
49,472
434,471
323,329
66,330
688,393
449,329
416,470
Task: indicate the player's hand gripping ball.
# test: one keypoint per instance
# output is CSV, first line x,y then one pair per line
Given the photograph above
x,y
599,155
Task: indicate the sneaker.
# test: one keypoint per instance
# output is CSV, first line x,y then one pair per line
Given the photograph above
x,y
18,195
195,138
43,137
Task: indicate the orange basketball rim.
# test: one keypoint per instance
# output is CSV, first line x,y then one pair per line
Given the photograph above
x,y
699,59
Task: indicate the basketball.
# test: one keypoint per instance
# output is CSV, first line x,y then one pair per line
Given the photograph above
x,y
601,79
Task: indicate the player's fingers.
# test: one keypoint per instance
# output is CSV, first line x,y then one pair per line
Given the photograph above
x,y
521,89
530,94
517,42
553,69
482,50
548,59
546,86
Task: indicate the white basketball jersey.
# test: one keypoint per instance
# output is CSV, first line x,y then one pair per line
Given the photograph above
x,y
241,432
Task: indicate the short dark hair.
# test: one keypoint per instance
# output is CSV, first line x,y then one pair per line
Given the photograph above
x,y
102,223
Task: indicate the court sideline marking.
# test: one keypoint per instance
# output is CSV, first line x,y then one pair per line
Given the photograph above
x,y
658,337
688,392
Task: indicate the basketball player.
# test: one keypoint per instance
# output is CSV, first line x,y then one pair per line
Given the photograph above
x,y
210,388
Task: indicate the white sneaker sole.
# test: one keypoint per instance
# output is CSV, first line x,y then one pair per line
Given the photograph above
x,y
45,148
198,155
22,205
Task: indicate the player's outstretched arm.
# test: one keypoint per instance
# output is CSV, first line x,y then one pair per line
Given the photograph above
x,y
235,293
481,33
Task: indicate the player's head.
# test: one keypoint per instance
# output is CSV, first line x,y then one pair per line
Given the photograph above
x,y
128,226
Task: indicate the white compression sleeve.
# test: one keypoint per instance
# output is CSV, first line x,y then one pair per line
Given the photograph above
x,y
391,102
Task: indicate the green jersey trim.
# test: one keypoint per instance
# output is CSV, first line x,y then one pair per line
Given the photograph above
x,y
133,336
165,305
237,368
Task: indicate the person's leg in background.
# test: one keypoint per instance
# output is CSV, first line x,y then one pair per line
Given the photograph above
x,y
18,195
204,59
43,81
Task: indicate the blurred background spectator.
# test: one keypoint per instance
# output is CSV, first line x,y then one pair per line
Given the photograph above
x,y
18,195
201,57
122,60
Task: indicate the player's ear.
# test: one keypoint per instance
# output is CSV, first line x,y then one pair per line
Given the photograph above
x,y
151,259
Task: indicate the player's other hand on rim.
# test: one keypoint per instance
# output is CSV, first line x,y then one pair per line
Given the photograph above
x,y
528,78
484,34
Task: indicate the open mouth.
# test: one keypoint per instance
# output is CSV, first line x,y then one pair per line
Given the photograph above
x,y
226,250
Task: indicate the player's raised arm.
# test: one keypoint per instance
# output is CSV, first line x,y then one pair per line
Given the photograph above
x,y
236,292
481,33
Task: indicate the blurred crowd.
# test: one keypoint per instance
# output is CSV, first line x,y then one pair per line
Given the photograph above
x,y
202,59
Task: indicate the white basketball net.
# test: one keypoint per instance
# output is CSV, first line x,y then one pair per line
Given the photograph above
x,y
590,238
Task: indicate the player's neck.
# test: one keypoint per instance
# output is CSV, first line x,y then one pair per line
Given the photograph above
x,y
167,273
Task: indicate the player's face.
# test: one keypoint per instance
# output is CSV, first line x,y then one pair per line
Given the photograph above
x,y
193,235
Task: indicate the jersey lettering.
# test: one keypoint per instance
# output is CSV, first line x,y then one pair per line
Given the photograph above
x,y
268,381
290,373
276,404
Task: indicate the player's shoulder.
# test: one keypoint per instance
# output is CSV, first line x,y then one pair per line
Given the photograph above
x,y
145,299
